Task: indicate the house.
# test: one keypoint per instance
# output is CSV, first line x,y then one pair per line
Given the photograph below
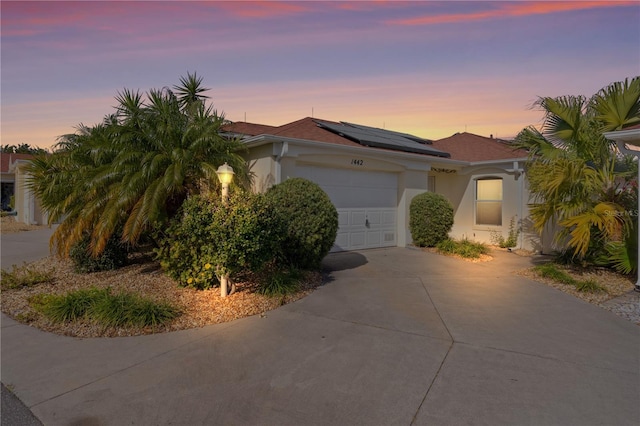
x,y
14,184
628,141
8,177
371,176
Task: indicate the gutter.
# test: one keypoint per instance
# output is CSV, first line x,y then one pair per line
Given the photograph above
x,y
259,140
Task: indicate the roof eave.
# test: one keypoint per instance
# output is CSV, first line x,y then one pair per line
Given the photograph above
x,y
260,140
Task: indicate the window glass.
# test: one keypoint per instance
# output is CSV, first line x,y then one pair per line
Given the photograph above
x,y
489,202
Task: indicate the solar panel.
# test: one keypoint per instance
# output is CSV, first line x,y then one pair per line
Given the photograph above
x,y
380,138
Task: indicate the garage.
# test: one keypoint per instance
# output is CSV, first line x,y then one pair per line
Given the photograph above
x,y
366,202
369,174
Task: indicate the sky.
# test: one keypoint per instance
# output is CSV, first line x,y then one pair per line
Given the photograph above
x,y
422,67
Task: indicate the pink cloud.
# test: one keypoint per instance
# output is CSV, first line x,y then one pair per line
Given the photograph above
x,y
510,10
261,9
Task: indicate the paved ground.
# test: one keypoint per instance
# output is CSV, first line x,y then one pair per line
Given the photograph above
x,y
20,247
398,336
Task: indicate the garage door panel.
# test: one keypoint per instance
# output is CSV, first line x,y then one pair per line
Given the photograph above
x,y
357,240
389,218
358,219
374,239
343,218
374,218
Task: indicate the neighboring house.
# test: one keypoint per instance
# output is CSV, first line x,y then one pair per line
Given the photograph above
x,y
628,141
372,174
14,177
8,177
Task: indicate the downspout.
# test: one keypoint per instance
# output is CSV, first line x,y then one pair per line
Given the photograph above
x,y
517,171
284,148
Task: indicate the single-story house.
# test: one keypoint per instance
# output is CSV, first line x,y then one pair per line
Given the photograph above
x,y
372,174
628,142
8,177
13,180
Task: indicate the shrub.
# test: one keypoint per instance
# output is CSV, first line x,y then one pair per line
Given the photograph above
x,y
24,276
311,220
280,282
114,255
511,241
430,219
104,307
210,239
553,272
464,248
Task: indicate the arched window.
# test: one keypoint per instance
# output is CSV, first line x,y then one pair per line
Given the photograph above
x,y
489,202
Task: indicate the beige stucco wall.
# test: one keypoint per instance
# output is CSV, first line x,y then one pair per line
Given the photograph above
x,y
460,189
28,207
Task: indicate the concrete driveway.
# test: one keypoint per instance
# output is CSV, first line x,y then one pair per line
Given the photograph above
x,y
398,336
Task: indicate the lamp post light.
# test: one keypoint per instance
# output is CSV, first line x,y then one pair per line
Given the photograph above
x,y
225,174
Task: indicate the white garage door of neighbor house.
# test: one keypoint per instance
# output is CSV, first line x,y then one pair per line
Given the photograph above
x,y
366,202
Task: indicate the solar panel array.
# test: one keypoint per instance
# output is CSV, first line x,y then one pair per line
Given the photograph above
x,y
380,138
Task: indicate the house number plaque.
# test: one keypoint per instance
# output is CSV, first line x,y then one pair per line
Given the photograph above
x,y
356,162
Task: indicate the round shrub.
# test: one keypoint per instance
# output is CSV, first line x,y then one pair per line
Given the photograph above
x,y
114,256
311,220
430,219
208,239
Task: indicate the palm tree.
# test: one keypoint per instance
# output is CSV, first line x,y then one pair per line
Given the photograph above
x,y
573,169
131,173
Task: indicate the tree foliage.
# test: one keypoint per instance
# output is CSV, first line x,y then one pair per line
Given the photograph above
x,y
133,171
578,179
22,148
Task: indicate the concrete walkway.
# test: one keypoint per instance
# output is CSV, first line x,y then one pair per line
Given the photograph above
x,y
398,336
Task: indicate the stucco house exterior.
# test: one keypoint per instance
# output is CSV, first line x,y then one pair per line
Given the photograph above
x,y
628,142
371,176
13,180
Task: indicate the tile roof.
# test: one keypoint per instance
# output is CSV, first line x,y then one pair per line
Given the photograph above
x,y
469,147
7,159
461,146
249,129
305,128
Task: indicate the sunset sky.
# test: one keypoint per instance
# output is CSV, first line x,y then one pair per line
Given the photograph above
x,y
422,67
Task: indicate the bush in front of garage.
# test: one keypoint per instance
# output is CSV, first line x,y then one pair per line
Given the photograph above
x,y
311,221
430,219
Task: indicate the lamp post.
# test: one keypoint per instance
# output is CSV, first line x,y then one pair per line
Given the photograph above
x,y
225,174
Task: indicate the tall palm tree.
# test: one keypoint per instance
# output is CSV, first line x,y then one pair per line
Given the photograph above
x,y
572,167
131,173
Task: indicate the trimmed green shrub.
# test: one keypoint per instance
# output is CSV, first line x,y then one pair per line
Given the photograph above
x,y
209,239
280,282
104,307
430,219
311,219
114,256
463,248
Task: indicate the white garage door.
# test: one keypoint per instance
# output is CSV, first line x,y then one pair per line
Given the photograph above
x,y
366,202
